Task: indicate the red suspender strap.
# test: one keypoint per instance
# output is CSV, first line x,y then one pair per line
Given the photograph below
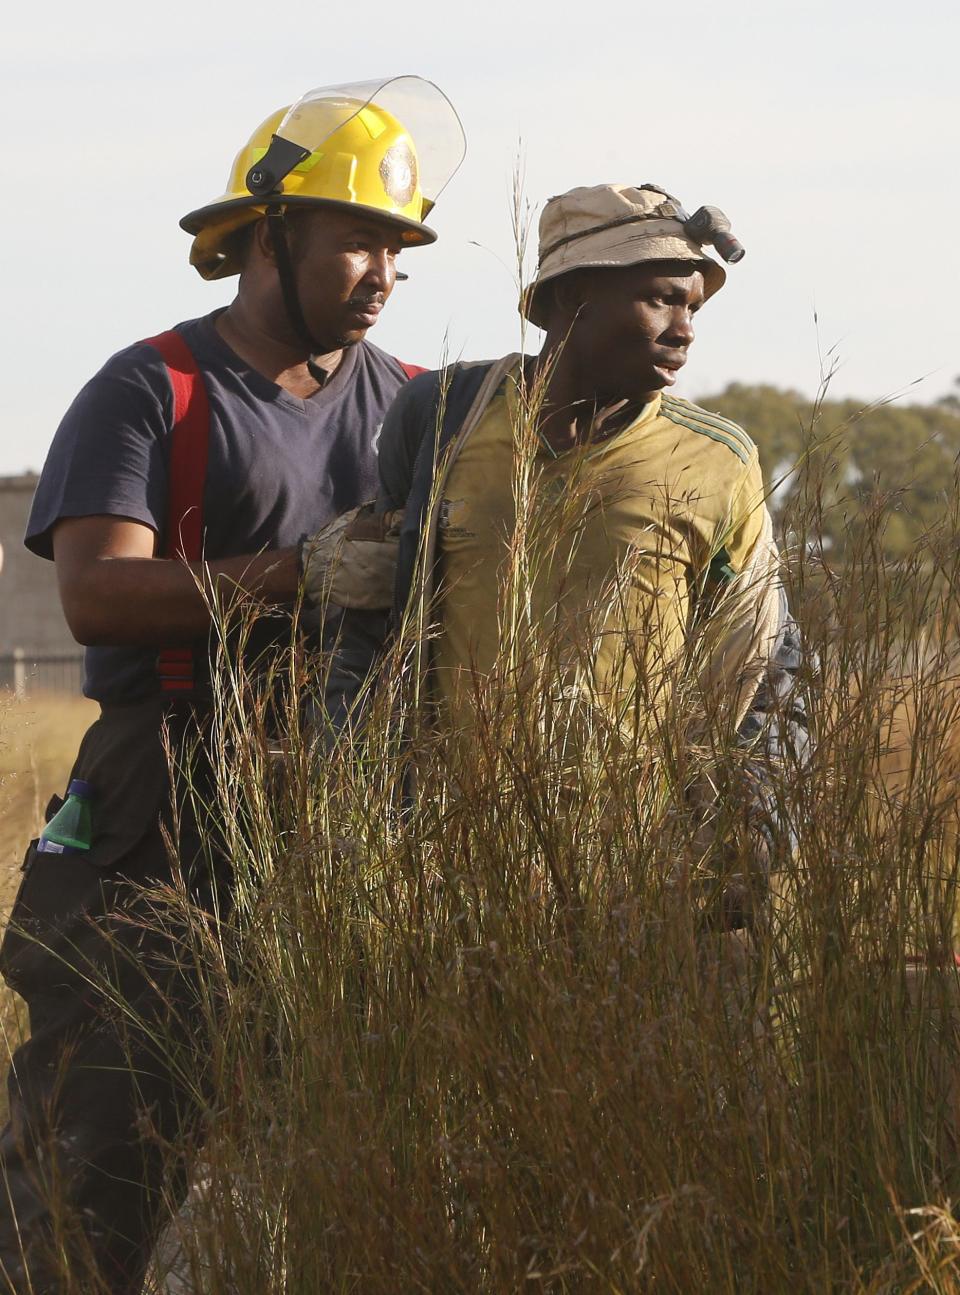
x,y
187,471
189,440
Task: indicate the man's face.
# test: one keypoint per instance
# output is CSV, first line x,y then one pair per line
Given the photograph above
x,y
345,267
633,327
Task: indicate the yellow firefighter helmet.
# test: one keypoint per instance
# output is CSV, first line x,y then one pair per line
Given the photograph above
x,y
384,147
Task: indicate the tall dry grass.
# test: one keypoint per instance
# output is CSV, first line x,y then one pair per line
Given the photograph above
x,y
494,1035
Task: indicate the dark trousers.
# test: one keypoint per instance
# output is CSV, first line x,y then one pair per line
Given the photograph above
x,y
104,1095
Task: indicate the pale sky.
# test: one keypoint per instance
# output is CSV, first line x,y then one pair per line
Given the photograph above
x,y
828,132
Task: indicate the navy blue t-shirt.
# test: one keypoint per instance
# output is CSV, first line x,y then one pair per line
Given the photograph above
x,y
279,467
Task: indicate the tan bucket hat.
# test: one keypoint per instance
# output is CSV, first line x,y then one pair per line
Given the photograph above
x,y
614,225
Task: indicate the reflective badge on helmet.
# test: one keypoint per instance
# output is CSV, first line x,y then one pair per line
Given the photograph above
x,y
398,171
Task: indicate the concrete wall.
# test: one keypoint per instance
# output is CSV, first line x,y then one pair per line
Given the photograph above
x,y
30,615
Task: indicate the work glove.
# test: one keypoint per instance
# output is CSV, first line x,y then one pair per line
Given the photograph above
x,y
731,857
744,884
352,561
732,877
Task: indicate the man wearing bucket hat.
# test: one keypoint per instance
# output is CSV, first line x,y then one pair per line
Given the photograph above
x,y
192,463
644,503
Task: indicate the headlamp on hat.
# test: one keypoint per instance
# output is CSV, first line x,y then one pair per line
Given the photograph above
x,y
706,225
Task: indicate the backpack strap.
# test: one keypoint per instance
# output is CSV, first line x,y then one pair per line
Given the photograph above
x,y
187,471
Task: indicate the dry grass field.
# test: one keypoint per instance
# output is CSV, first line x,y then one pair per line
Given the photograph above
x,y
497,1037
38,742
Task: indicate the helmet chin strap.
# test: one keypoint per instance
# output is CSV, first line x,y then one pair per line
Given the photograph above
x,y
276,223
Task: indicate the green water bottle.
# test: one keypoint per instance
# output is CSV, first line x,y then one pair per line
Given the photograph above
x,y
71,828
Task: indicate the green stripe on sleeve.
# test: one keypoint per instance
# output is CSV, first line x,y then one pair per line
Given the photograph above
x,y
713,420
742,454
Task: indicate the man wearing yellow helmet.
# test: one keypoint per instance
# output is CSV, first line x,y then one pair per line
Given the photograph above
x,y
369,164
199,457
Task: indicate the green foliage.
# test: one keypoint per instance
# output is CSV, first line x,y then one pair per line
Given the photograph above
x,y
902,456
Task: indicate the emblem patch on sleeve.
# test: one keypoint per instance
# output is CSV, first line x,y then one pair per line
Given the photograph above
x,y
450,518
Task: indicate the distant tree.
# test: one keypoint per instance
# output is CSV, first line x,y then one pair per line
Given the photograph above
x,y
952,399
901,458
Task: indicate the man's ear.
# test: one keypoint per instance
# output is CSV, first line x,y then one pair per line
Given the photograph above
x,y
567,296
261,241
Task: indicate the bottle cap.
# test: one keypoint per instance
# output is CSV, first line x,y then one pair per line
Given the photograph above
x,y
54,847
80,787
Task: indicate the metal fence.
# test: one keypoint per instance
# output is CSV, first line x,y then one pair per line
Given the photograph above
x,y
23,671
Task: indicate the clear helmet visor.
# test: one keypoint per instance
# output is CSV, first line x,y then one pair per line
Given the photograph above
x,y
409,104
